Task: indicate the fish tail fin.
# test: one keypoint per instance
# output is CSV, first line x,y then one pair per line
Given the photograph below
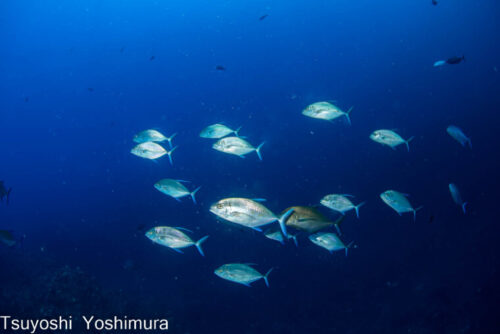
x,y
357,208
266,277
237,132
469,142
407,143
282,221
170,155
169,139
350,245
415,212
294,238
338,229
193,193
198,244
258,150
8,195
347,115
463,207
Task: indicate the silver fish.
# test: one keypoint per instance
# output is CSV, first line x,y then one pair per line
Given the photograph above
x,y
154,136
241,273
217,131
329,241
173,238
398,202
152,151
389,138
439,63
456,133
274,233
237,146
455,194
340,203
248,212
175,189
326,111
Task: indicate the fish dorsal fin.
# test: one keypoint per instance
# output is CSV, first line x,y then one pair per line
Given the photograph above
x,y
250,264
259,199
183,181
348,195
183,229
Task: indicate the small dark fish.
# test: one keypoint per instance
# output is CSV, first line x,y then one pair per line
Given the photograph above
x,y
90,89
220,68
434,2
152,58
26,99
4,192
141,227
7,238
263,17
122,49
431,219
455,60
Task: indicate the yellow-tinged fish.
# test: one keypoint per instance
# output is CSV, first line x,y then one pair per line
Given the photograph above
x,y
173,238
7,238
248,212
216,131
340,203
329,241
236,146
241,273
389,138
398,202
326,111
175,189
154,136
309,219
150,150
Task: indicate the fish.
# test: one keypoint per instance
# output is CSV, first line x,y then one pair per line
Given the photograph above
x,y
150,150
173,238
236,146
90,89
340,203
216,131
434,2
455,60
389,138
263,17
274,233
440,63
152,58
329,241
248,212
175,189
398,202
241,273
154,136
456,133
309,219
457,198
7,238
220,68
4,193
326,111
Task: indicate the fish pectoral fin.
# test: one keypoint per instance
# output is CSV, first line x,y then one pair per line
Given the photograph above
x,y
178,250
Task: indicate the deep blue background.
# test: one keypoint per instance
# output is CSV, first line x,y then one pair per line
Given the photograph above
x,y
79,195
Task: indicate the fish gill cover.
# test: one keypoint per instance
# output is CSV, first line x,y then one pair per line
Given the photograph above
x,y
338,128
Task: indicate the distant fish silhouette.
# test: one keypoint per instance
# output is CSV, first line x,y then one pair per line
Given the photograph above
x,y
4,192
434,2
431,219
455,60
152,58
122,49
90,89
263,17
220,68
27,99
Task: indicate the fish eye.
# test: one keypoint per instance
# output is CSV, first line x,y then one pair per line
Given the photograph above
x,y
219,206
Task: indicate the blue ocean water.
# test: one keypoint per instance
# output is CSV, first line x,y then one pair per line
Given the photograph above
x,y
81,78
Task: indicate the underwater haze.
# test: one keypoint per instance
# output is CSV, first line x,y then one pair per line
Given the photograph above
x,y
79,79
